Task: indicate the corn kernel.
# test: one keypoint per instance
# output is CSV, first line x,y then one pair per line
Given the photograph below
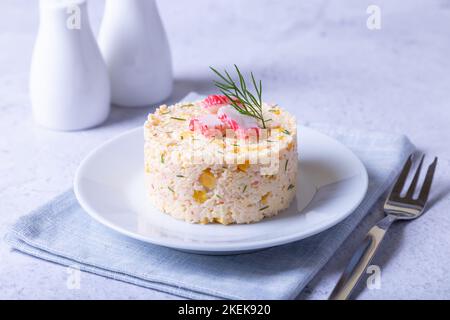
x,y
207,179
264,198
200,196
204,221
290,146
276,111
243,167
218,220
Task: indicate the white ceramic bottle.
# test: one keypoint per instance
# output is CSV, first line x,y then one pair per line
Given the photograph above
x,y
69,83
135,47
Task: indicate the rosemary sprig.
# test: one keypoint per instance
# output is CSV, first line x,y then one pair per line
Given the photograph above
x,y
241,98
179,119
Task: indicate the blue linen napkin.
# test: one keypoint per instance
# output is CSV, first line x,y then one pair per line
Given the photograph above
x,y
62,232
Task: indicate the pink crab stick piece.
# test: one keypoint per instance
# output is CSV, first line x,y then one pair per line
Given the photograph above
x,y
209,125
243,125
213,102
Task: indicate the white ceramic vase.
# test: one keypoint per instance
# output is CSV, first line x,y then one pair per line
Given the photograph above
x,y
69,83
135,47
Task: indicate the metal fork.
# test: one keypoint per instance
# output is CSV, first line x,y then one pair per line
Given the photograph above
x,y
396,207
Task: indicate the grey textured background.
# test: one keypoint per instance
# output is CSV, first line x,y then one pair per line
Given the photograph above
x,y
316,58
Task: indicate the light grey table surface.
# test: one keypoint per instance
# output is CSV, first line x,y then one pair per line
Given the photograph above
x,y
316,58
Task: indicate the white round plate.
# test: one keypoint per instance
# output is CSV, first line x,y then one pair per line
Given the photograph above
x,y
109,185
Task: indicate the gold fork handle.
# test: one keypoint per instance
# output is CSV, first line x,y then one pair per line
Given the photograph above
x,y
360,260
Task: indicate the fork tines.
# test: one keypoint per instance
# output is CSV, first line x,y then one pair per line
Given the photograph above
x,y
424,192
